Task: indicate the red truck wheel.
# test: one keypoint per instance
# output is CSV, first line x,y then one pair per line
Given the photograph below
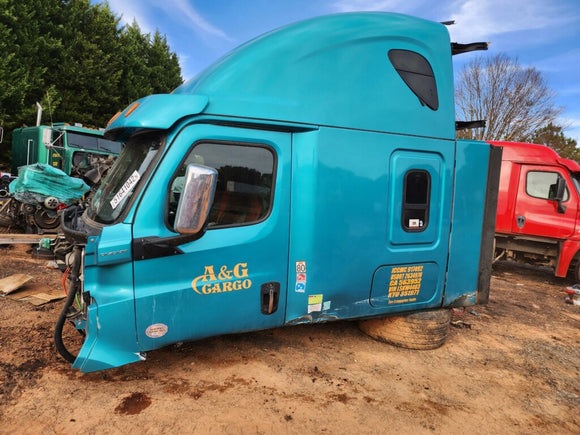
x,y
576,272
421,330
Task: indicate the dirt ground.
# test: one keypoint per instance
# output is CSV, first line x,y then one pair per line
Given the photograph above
x,y
509,367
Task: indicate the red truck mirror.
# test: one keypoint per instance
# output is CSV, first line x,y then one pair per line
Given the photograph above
x,y
560,192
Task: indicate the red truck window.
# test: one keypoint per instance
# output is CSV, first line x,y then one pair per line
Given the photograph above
x,y
541,184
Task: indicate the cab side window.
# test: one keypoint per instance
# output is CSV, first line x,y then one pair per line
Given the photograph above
x,y
543,185
416,193
244,191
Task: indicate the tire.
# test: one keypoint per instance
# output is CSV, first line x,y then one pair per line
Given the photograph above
x,y
5,220
44,220
576,272
421,331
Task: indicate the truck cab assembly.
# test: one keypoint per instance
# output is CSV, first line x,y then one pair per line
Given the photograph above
x,y
312,174
538,208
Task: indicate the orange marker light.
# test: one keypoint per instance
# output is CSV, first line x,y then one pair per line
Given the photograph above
x,y
113,118
131,109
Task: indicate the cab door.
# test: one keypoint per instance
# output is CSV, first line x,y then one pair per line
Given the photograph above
x,y
537,212
419,228
233,278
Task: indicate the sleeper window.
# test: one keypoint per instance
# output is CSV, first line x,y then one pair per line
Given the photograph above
x,y
416,192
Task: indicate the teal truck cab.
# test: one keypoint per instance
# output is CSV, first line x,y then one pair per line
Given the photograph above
x,y
45,157
313,174
72,148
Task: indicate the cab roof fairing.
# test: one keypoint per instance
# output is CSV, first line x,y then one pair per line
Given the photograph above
x,y
521,152
572,165
158,111
334,70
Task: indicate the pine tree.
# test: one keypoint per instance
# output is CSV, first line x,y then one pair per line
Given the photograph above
x,y
164,70
77,61
552,135
134,82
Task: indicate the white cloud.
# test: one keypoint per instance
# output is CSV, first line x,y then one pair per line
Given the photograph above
x,y
129,12
183,11
479,20
174,10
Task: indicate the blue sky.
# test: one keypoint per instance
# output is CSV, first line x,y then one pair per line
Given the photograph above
x,y
544,34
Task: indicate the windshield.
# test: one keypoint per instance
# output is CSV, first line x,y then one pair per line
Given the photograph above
x,y
113,196
94,142
576,180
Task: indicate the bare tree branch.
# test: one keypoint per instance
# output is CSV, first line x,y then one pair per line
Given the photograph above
x,y
515,101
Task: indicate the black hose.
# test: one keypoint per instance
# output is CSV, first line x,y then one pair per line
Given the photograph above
x,y
60,347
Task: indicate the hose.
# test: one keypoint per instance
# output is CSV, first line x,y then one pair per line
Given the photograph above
x,y
65,275
60,347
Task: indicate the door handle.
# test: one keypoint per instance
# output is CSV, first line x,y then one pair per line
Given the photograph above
x,y
520,221
269,296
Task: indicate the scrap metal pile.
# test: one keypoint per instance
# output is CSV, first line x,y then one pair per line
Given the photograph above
x,y
31,202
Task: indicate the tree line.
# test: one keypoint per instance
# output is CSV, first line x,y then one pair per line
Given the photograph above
x,y
82,66
77,61
515,101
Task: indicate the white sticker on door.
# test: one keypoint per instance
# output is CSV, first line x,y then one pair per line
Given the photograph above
x,y
301,267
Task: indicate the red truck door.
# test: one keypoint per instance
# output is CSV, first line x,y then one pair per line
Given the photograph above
x,y
537,213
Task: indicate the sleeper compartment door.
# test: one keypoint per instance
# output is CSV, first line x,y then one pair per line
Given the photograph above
x,y
536,213
233,278
419,205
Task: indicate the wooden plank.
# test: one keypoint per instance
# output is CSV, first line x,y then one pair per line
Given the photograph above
x,y
13,282
37,295
41,298
12,239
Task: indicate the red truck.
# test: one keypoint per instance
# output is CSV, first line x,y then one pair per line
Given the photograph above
x,y
538,209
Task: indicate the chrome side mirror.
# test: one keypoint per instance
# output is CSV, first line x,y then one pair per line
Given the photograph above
x,y
196,199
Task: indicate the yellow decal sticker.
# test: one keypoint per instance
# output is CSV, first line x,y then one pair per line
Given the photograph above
x,y
314,299
405,284
226,280
314,303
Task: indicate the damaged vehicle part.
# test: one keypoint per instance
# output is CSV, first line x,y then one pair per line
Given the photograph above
x,y
242,202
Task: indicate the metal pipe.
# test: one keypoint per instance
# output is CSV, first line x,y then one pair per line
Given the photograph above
x,y
38,114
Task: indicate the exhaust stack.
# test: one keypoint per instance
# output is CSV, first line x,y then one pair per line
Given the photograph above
x,y
38,114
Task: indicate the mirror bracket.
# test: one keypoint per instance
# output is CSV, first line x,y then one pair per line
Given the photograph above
x,y
561,208
195,202
145,248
